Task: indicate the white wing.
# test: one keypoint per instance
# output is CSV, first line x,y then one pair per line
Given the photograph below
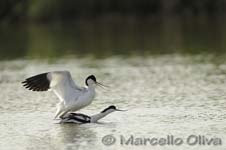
x,y
59,81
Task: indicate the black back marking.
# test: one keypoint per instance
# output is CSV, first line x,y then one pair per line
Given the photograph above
x,y
82,118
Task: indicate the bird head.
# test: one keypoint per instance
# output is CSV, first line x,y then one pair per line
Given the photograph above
x,y
91,80
110,109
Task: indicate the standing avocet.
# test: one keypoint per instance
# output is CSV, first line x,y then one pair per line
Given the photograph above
x,y
72,97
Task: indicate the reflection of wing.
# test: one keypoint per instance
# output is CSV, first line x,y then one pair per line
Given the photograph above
x,y
59,81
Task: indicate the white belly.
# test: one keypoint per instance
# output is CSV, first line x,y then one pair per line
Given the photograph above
x,y
83,100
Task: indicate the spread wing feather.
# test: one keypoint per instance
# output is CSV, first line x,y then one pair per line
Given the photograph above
x,y
37,83
59,81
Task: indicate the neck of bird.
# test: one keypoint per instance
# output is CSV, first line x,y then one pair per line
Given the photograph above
x,y
98,116
91,87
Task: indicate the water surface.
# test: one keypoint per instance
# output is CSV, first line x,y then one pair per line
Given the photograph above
x,y
169,73
165,95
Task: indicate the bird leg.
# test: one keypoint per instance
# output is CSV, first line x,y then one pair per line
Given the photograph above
x,y
60,109
63,114
57,113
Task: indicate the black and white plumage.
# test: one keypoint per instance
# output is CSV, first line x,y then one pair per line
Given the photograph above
x,y
82,118
75,118
72,97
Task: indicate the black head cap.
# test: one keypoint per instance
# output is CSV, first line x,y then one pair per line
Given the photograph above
x,y
110,107
91,77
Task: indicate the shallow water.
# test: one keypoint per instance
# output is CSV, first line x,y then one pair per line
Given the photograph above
x,y
178,95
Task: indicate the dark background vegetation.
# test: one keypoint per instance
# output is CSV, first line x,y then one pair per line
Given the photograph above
x,y
49,10
103,28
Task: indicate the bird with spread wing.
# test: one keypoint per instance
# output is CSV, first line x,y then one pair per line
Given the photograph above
x,y
71,96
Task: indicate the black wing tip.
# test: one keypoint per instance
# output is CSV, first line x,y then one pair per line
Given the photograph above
x,y
37,83
24,82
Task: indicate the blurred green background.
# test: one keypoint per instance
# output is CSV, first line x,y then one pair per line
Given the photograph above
x,y
102,28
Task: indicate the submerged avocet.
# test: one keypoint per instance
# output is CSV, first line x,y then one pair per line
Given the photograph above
x,y
72,97
82,118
